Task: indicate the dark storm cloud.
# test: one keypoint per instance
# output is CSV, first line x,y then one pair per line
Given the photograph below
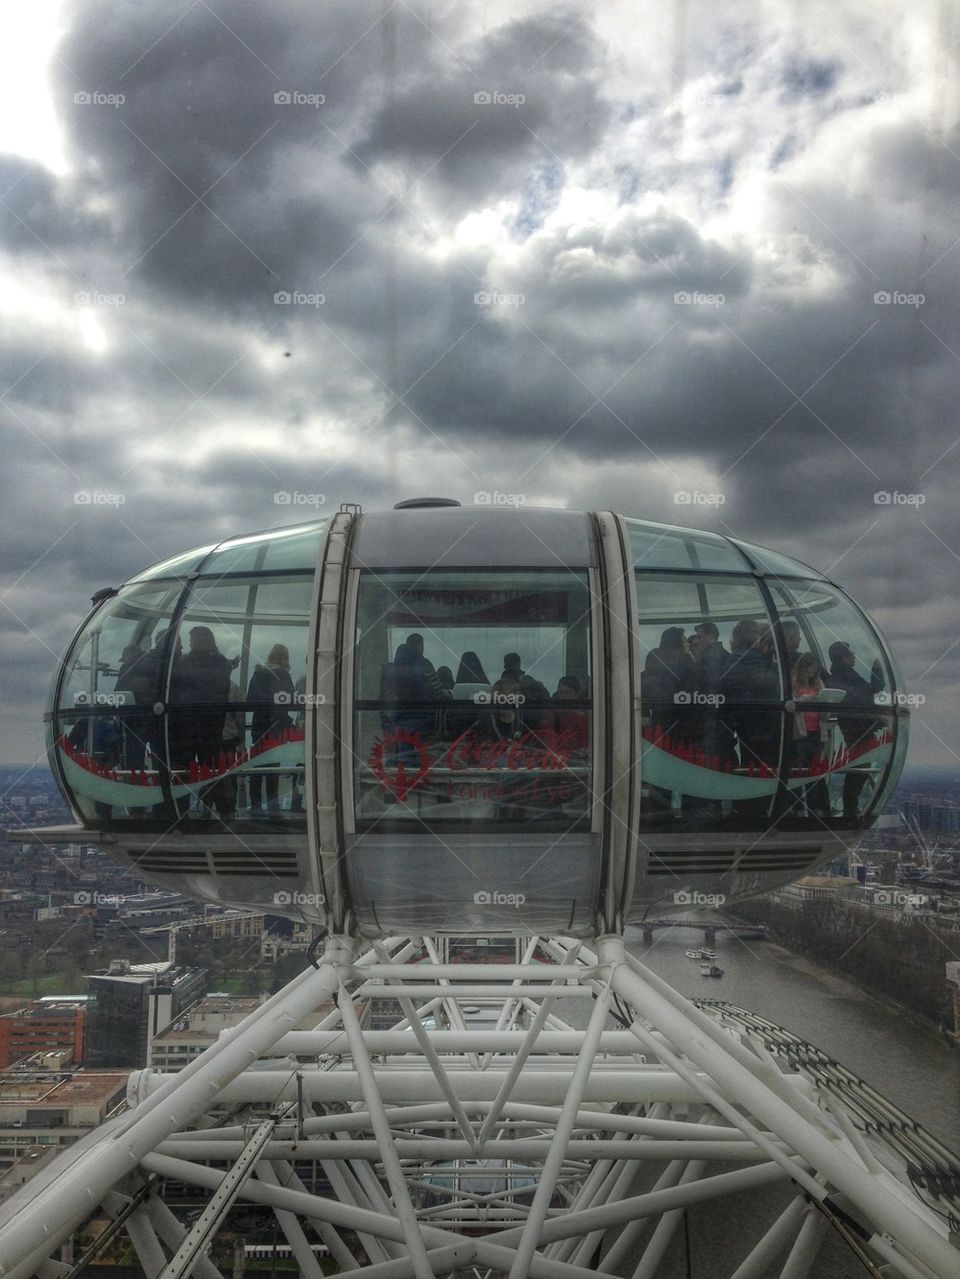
x,y
482,120
203,165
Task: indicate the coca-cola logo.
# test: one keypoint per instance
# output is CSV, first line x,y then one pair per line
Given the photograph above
x,y
400,762
542,748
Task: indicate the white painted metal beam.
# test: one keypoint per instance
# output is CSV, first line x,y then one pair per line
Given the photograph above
x,y
184,1259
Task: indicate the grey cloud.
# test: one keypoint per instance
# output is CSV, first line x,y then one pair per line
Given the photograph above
x,y
479,149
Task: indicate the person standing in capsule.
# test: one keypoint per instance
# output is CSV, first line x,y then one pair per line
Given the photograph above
x,y
272,686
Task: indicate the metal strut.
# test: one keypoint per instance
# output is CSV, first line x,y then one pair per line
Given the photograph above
x,y
576,1123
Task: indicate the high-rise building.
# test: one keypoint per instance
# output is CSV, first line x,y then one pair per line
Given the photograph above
x,y
129,1004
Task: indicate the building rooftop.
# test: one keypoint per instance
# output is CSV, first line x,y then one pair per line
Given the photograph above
x,y
50,1007
140,973
225,1003
74,1090
826,881
189,1025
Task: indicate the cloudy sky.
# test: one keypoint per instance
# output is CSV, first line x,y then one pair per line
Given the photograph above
x,y
594,254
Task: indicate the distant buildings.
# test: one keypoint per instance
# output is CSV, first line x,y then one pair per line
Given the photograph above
x,y
194,1031
48,1025
933,814
814,887
130,1004
891,900
291,938
40,1114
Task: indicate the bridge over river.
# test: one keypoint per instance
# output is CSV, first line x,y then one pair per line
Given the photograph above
x,y
709,928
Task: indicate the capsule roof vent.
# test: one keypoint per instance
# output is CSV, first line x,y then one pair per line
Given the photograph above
x,y
413,503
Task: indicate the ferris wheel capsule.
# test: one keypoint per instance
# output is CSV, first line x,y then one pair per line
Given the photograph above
x,y
446,719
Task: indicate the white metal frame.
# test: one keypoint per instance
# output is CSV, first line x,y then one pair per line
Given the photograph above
x,y
622,1132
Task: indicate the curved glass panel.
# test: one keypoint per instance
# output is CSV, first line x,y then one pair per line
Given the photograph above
x,y
732,740
295,547
106,728
838,661
201,721
818,620
235,692
176,566
117,635
839,761
773,562
886,787
711,689
664,546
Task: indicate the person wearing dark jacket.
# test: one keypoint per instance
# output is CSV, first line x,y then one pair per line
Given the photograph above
x,y
135,728
857,730
202,678
712,658
199,695
148,683
751,676
712,662
667,685
271,686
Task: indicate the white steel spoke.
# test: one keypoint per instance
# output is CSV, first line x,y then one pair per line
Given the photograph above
x,y
520,1142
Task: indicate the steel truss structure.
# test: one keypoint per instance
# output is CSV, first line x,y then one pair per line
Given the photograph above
x,y
592,1122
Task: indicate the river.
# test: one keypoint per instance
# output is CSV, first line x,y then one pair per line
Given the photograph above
x,y
915,1068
